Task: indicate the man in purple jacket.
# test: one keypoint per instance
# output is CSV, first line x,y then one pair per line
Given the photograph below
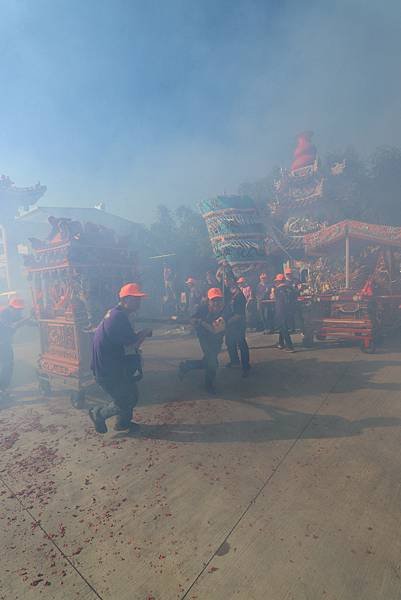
x,y
116,360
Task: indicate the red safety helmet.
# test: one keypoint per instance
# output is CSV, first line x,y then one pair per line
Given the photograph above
x,y
214,293
132,289
279,277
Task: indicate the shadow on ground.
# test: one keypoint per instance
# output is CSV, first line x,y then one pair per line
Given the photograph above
x,y
277,378
282,424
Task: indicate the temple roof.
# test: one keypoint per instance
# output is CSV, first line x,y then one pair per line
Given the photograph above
x,y
39,216
13,197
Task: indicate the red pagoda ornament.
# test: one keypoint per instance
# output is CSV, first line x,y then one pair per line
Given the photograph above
x,y
305,153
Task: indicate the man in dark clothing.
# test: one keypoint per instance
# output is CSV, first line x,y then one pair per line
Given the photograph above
x,y
297,320
265,306
209,325
10,320
235,310
285,305
116,361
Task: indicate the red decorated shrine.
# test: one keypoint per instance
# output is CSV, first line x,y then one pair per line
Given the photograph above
x,y
75,276
296,207
355,282
353,288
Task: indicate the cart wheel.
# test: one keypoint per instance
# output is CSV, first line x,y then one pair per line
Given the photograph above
x,y
44,387
369,348
307,341
77,399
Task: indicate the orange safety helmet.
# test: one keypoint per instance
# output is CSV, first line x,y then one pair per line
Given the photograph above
x,y
17,303
280,277
132,289
214,293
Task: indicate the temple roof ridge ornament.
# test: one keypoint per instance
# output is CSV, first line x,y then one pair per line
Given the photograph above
x,y
12,197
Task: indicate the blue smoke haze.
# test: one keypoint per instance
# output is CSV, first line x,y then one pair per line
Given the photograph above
x,y
141,103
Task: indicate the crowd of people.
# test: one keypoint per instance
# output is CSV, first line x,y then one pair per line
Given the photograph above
x,y
259,296
218,310
222,307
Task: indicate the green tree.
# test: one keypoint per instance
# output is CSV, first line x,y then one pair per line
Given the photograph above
x,y
384,190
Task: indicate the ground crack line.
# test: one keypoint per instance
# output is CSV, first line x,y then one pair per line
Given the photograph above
x,y
48,536
270,477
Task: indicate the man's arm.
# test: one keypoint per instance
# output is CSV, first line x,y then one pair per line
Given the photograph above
x,y
198,320
120,331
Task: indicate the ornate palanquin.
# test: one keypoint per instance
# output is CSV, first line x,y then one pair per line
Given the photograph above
x,y
75,276
354,282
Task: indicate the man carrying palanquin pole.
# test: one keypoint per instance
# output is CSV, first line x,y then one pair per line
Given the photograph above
x,y
209,324
116,361
284,309
235,309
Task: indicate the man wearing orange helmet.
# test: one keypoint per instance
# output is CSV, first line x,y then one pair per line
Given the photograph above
x,y
265,309
236,329
284,310
209,325
10,320
116,361
296,321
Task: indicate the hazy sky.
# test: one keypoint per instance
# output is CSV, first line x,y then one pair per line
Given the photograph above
x,y
137,103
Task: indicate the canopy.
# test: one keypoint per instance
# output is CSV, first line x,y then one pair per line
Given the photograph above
x,y
376,234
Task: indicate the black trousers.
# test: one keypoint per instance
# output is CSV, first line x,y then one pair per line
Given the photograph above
x,y
284,338
6,365
236,340
209,362
124,397
266,315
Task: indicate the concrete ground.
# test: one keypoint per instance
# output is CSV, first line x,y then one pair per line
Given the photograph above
x,y
285,486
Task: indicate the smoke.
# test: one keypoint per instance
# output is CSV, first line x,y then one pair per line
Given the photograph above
x,y
137,104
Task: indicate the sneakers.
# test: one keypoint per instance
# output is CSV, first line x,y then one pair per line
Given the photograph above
x,y
279,347
290,350
97,420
